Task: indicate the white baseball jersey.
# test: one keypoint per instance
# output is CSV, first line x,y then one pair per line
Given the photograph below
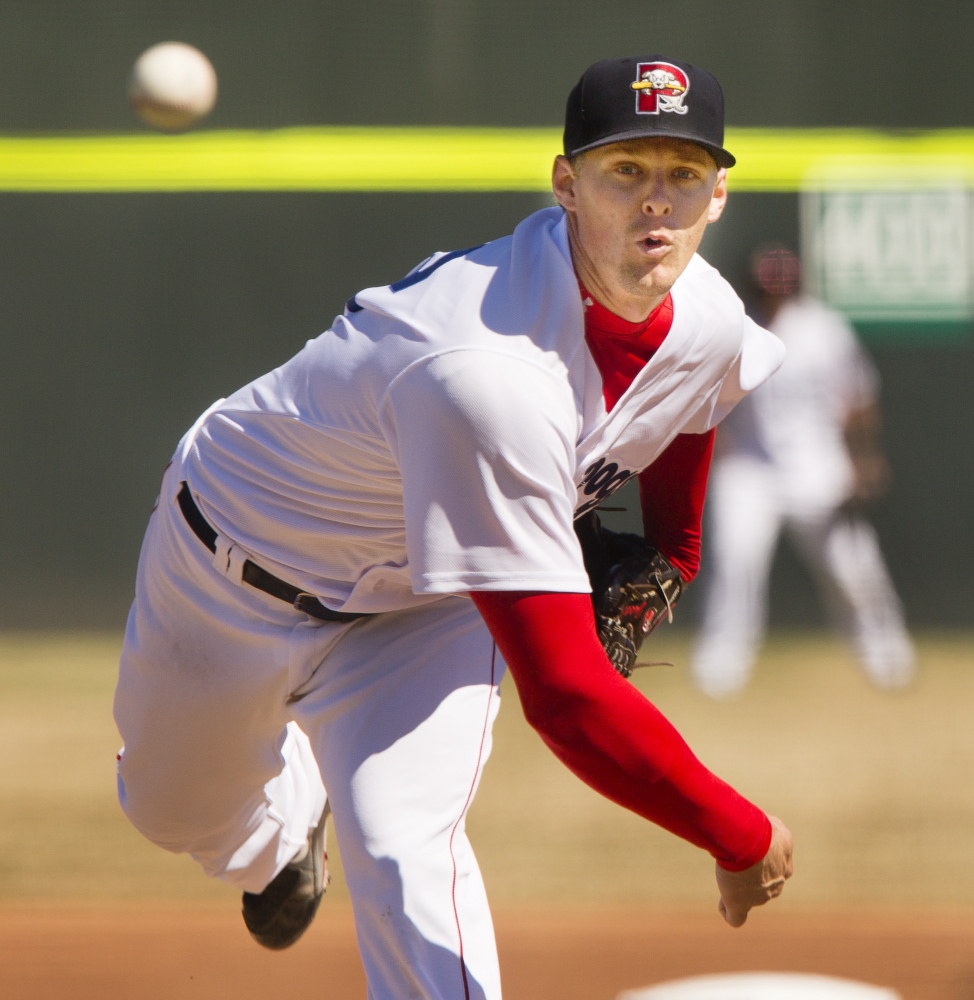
x,y
444,433
795,422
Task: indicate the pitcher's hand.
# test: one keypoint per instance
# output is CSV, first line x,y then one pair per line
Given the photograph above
x,y
754,886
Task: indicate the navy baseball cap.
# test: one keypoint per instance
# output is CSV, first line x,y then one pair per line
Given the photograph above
x,y
646,96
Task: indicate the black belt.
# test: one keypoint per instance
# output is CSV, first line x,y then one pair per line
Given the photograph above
x,y
254,575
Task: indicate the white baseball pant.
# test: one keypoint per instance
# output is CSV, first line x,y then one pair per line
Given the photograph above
x,y
237,711
747,512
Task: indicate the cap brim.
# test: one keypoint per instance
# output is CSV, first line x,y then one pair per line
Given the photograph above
x,y
720,155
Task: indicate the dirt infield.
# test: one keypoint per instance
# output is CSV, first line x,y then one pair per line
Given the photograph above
x,y
877,788
202,952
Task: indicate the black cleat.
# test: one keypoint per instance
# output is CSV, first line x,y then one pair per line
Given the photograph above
x,y
280,914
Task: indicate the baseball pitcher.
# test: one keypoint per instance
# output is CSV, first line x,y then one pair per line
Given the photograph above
x,y
349,552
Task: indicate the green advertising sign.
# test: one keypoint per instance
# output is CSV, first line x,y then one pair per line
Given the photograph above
x,y
892,256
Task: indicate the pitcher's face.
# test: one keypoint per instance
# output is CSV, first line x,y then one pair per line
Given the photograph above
x,y
637,212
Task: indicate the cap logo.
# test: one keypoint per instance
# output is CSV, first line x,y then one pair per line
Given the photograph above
x,y
660,86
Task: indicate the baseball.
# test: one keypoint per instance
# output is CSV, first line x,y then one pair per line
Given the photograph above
x,y
173,86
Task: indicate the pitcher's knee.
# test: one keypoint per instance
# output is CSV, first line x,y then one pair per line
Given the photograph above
x,y
176,820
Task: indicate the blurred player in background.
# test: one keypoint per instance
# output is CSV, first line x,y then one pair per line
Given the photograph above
x,y
802,454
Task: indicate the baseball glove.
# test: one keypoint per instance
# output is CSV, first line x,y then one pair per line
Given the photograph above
x,y
633,588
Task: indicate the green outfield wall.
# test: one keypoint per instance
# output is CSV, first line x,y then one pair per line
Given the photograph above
x,y
134,292
125,315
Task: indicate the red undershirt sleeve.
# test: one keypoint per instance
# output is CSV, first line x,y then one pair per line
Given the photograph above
x,y
671,492
609,734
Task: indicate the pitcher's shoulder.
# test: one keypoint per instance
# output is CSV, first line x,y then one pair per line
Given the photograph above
x,y
706,280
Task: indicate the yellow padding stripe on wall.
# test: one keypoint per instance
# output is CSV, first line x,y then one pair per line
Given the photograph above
x,y
449,159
